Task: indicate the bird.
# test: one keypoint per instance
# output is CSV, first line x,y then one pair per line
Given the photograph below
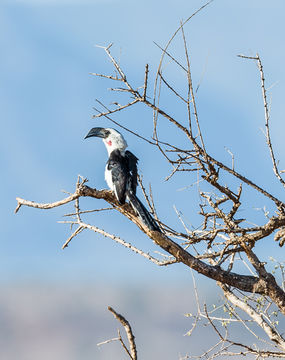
x,y
121,172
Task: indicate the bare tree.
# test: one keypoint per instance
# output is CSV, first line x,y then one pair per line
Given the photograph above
x,y
255,301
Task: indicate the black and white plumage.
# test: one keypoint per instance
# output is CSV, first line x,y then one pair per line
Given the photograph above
x,y
121,172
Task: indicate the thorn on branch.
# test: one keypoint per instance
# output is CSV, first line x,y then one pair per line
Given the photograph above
x,y
18,206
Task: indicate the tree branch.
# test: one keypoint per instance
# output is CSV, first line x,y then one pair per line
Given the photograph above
x,y
133,350
243,282
249,310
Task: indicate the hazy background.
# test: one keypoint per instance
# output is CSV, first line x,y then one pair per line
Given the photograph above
x,y
53,302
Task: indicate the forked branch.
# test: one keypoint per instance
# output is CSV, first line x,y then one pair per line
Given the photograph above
x,y
133,349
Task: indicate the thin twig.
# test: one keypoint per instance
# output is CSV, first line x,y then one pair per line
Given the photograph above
x,y
122,242
145,81
266,115
122,107
75,233
133,350
271,333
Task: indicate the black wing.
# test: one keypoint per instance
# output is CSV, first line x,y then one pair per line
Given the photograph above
x,y
117,165
132,161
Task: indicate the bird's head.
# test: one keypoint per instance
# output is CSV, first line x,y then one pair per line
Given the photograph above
x,y
111,138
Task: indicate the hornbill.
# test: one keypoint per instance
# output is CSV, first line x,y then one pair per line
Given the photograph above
x,y
121,172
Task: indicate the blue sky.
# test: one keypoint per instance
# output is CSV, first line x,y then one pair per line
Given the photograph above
x,y
47,95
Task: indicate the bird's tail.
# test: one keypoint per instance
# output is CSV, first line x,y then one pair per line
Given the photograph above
x,y
142,212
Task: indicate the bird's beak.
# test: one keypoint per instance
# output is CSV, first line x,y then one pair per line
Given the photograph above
x,y
97,131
